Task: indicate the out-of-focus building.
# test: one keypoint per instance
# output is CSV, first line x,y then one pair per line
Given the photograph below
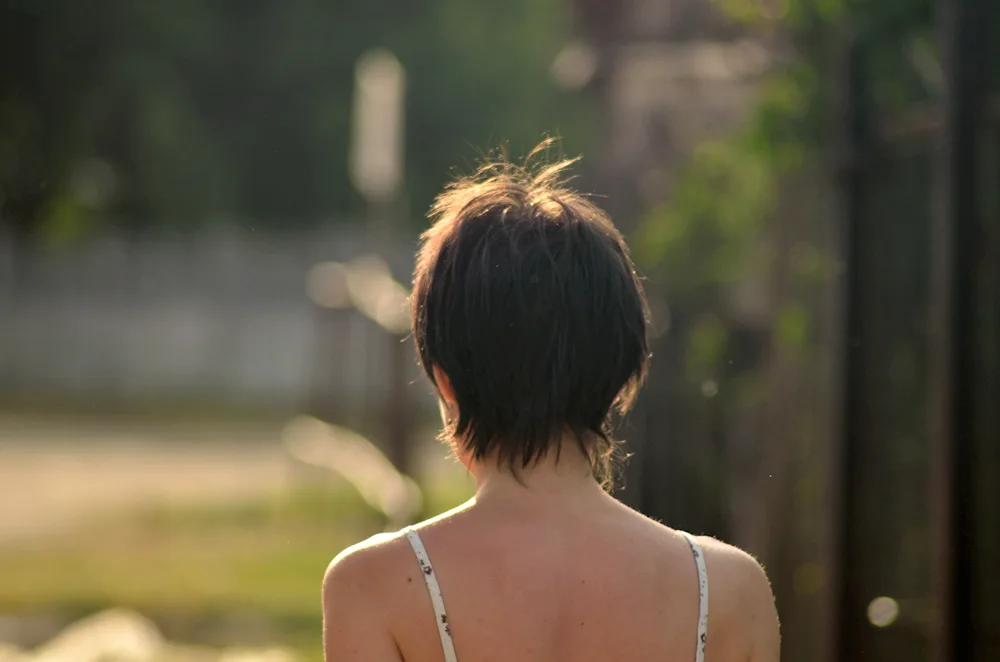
x,y
221,318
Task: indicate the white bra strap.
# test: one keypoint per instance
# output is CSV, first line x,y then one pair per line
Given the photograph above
x,y
434,589
699,561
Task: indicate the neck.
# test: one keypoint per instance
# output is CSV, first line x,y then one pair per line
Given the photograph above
x,y
550,479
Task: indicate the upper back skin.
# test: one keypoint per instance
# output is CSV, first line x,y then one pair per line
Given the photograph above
x,y
549,582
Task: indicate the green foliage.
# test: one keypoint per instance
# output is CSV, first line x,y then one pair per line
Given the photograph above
x,y
792,326
707,347
785,124
708,234
242,109
747,222
698,238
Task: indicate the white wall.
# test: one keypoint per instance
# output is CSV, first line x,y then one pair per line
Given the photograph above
x,y
221,316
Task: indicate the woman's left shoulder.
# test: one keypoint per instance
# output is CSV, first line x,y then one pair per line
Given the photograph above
x,y
358,594
363,564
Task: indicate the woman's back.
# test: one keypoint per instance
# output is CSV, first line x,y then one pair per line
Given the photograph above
x,y
549,575
530,321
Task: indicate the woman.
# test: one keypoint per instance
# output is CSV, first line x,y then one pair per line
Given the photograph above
x,y
530,322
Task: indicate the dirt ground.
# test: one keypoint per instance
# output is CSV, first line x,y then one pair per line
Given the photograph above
x,y
59,472
55,473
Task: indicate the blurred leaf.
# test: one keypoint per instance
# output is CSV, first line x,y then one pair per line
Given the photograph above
x,y
703,236
64,220
706,346
792,326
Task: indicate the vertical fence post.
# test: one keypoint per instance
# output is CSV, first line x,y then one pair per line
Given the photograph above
x,y
954,330
854,129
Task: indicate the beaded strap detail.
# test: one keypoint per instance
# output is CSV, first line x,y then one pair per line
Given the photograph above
x,y
434,589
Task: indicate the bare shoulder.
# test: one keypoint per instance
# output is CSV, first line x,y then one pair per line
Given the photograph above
x,y
355,589
735,569
740,597
362,562
380,562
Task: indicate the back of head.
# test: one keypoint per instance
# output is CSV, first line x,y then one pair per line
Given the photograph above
x,y
526,298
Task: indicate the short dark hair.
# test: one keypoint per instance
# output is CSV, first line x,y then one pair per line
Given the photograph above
x,y
526,297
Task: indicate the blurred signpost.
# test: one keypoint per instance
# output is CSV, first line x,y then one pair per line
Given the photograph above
x,y
366,285
376,156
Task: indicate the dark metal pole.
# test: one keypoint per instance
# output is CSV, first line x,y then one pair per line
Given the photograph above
x,y
954,300
848,612
397,411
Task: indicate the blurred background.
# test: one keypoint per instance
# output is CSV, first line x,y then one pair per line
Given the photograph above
x,y
208,212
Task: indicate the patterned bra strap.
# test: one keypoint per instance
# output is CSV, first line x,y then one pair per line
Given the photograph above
x,y
434,589
699,561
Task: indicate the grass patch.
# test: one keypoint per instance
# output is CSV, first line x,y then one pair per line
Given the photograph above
x,y
195,568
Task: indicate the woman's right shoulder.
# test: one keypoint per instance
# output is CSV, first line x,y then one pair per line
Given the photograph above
x,y
736,566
